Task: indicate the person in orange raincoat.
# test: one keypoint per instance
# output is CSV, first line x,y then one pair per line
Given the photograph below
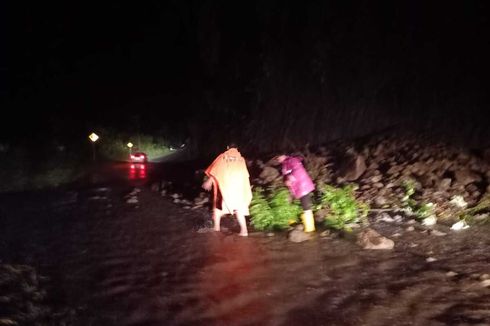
x,y
229,177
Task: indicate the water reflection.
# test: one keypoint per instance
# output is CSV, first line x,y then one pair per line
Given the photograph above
x,y
137,171
230,283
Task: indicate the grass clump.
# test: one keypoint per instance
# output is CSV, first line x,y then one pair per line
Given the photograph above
x,y
483,205
22,171
411,206
273,210
343,208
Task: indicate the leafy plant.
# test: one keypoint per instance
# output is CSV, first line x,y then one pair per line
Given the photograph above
x,y
469,213
424,210
274,211
343,207
285,209
409,186
260,211
419,210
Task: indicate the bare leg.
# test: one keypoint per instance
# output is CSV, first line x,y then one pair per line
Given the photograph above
x,y
243,224
217,218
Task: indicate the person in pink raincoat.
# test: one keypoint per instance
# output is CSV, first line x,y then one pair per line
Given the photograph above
x,y
300,185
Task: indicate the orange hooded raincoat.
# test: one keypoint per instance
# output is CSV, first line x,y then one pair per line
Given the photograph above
x,y
231,178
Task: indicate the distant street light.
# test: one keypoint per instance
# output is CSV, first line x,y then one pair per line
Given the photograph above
x,y
130,145
93,137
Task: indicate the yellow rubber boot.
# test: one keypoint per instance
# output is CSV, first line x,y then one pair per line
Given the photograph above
x,y
308,221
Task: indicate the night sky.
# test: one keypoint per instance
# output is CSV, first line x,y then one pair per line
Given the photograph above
x,y
194,67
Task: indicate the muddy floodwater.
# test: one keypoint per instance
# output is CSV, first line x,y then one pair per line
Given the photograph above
x,y
155,263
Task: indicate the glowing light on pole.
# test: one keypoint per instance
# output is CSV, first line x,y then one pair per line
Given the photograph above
x,y
130,145
93,138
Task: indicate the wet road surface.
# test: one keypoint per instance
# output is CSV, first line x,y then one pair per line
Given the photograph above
x,y
155,263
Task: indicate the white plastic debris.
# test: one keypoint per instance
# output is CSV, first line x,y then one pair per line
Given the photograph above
x,y
386,218
431,220
430,259
461,225
458,201
132,200
485,283
485,277
397,218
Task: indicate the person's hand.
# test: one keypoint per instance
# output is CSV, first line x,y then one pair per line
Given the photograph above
x,y
207,184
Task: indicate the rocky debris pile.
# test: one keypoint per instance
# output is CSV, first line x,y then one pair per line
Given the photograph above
x,y
167,190
24,299
439,172
21,296
446,178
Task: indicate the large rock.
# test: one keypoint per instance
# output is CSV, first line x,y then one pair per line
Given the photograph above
x,y
370,239
465,177
298,235
463,157
269,175
354,168
444,184
395,169
380,201
376,178
419,168
428,180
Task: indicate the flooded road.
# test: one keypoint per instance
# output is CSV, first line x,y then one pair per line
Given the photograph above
x,y
155,263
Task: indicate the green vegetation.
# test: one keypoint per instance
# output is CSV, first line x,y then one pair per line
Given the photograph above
x,y
482,206
24,170
273,211
419,210
343,208
113,145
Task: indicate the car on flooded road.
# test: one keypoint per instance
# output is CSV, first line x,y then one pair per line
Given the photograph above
x,y
138,157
